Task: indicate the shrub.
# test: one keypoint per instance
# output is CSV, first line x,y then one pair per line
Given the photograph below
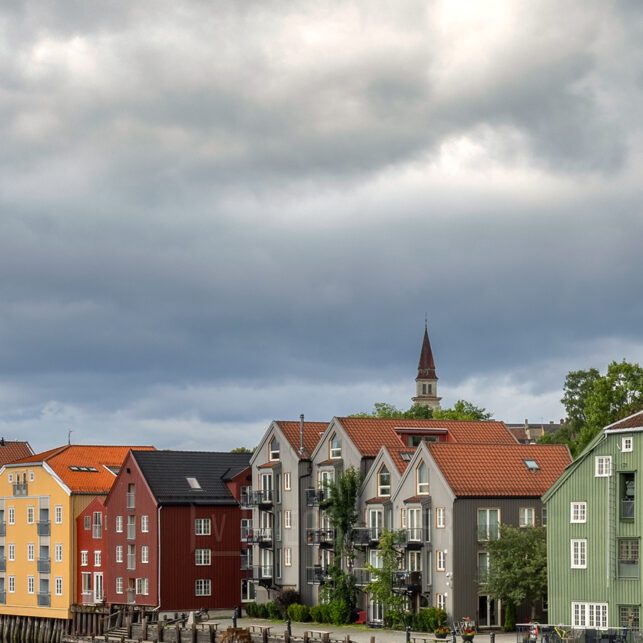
x,y
285,598
510,618
262,610
339,612
251,609
320,613
273,610
298,612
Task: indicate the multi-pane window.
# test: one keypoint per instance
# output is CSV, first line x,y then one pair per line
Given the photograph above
x,y
58,585
30,515
202,526
202,556
603,466
440,560
483,567
97,559
274,449
335,447
414,524
287,519
627,444
131,557
86,583
440,601
578,512
629,616
488,524
145,524
589,615
246,528
11,582
58,552
527,516
383,482
578,553
131,527
628,557
142,586
58,516
414,563
439,518
97,521
422,473
11,517
119,524
119,584
31,585
32,476
84,558
11,551
287,482
202,587
31,551
375,522
87,523
145,554
247,591
119,553
287,556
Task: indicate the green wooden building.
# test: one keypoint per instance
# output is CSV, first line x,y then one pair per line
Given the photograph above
x,y
594,532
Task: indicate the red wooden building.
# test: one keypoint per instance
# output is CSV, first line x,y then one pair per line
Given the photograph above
x,y
174,531
91,554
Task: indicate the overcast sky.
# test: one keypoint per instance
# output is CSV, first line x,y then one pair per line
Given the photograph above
x,y
215,214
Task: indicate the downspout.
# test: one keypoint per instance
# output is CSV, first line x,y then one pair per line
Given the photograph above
x,y
301,434
158,558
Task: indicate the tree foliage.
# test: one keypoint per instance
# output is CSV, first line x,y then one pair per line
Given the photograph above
x,y
518,566
461,410
242,450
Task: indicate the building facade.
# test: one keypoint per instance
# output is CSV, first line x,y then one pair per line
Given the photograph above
x,y
91,554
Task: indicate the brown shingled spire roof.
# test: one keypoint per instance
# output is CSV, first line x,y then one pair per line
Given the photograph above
x,y
426,366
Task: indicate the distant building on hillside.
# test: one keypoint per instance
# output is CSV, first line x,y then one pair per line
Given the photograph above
x,y
530,432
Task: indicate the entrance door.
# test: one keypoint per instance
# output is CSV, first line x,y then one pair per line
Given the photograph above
x,y
98,587
488,611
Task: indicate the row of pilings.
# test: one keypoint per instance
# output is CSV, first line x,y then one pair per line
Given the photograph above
x,y
31,629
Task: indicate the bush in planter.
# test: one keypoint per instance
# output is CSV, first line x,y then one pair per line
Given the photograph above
x,y
298,612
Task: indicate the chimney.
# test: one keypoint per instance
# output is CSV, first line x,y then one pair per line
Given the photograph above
x,y
301,434
526,423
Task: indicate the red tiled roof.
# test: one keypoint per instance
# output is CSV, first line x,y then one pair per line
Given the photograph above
x,y
329,463
13,450
79,455
518,432
312,432
268,465
632,422
378,500
499,469
396,456
370,434
414,499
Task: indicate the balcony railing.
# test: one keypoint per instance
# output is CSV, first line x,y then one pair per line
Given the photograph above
x,y
44,565
414,536
627,509
261,535
366,536
131,596
131,500
628,569
131,562
3,528
259,497
20,489
44,528
245,499
488,532
314,497
87,598
44,599
3,597
321,537
260,572
246,562
316,574
3,564
362,576
97,531
408,581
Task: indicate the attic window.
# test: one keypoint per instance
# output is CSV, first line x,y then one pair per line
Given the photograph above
x,y
194,484
274,450
112,469
532,465
406,456
84,469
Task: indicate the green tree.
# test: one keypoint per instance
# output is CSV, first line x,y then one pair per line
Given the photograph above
x,y
518,566
382,587
461,410
242,450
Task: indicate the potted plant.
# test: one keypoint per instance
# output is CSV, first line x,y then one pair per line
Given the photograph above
x,y
468,632
441,631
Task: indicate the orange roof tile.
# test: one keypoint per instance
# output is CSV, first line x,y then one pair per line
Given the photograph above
x,y
370,434
499,469
99,458
312,433
11,450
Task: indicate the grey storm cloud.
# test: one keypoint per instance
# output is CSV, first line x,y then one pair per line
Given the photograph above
x,y
214,214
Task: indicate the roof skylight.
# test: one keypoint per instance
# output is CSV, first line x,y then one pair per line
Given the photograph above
x,y
194,484
532,465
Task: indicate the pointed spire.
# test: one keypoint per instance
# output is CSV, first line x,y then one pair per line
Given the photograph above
x,y
426,366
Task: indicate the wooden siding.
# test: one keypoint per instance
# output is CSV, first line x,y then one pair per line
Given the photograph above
x,y
599,582
85,541
466,548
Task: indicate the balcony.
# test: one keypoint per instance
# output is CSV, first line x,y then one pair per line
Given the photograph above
x,y
414,537
246,560
245,499
131,500
488,532
314,497
323,537
260,498
87,598
44,599
44,528
627,509
408,581
366,536
316,575
263,575
131,596
20,489
97,531
44,565
131,562
362,576
3,564
3,597
262,536
3,528
628,568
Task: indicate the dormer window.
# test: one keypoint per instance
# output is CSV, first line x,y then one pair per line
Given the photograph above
x,y
383,482
335,447
422,479
274,449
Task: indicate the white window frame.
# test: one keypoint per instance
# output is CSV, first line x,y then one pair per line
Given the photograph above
x,y
287,486
287,519
273,453
58,585
627,444
578,552
84,558
31,585
119,553
203,587
98,557
578,512
202,527
119,524
32,476
11,515
440,601
422,487
119,585
11,551
31,551
145,524
603,466
440,561
249,595
383,490
335,450
58,553
31,512
594,615
58,515
202,557
10,478
145,554
440,516
287,557
11,584
142,586
527,516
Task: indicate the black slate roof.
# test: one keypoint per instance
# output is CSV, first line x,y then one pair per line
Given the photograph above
x,y
167,473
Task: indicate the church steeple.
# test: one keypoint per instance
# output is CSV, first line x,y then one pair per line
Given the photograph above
x,y
426,382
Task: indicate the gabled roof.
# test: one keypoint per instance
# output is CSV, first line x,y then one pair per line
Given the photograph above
x,y
370,434
499,470
83,468
11,450
426,365
634,421
312,433
167,474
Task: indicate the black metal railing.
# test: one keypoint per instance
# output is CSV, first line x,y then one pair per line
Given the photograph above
x,y
321,537
314,497
408,581
44,528
361,575
260,535
20,489
44,599
259,497
44,565
366,536
316,574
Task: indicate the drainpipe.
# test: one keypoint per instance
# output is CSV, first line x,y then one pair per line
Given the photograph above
x,y
301,434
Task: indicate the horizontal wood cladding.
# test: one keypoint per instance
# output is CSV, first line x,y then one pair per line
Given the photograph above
x,y
179,571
